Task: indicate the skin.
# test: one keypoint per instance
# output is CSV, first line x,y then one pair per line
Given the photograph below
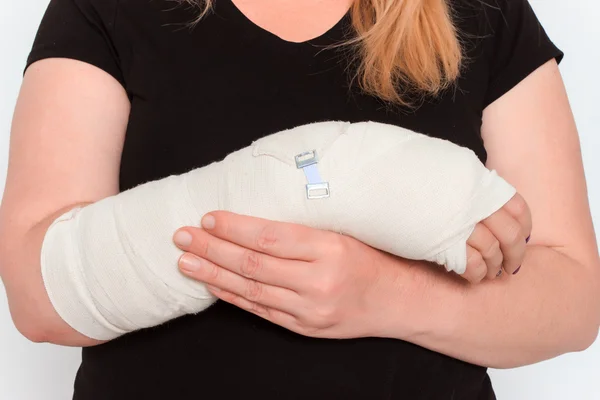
x,y
323,284
549,308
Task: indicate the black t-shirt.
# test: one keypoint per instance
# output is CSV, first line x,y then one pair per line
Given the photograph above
x,y
199,94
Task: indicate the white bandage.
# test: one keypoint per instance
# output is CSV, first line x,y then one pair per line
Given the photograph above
x,y
111,267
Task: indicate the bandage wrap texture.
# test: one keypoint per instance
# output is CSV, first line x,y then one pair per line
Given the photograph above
x,y
111,267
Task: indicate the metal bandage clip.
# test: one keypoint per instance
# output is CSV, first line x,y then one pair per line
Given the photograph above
x,y
316,188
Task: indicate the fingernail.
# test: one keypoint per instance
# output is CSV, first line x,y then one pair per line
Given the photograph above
x,y
527,240
517,270
208,222
182,238
189,263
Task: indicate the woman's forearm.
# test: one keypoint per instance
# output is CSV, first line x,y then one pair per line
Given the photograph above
x,y
550,308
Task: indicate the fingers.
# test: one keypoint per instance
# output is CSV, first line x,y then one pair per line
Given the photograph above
x,y
498,242
518,208
476,269
244,262
258,293
488,246
279,239
510,235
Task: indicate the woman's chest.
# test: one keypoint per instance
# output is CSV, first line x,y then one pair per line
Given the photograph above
x,y
198,97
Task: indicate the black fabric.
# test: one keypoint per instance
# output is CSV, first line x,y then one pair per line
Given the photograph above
x,y
199,94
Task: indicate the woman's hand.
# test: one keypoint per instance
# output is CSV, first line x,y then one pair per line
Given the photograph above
x,y
498,242
313,282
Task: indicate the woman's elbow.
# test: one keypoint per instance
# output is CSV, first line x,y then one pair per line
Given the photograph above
x,y
32,330
24,306
586,335
35,319
588,338
37,330
590,313
30,320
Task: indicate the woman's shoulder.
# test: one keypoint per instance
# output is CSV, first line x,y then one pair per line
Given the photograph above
x,y
503,40
488,18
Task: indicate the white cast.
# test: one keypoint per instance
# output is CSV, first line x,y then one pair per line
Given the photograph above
x,y
111,267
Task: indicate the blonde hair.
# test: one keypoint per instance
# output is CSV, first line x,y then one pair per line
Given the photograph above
x,y
403,46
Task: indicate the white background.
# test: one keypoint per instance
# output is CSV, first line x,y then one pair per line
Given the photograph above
x,y
34,371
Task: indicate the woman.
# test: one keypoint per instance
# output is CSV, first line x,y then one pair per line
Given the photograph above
x,y
155,98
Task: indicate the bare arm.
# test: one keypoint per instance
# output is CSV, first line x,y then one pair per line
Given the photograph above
x,y
553,305
65,149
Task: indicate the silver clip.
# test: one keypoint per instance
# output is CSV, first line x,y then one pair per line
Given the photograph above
x,y
317,190
305,159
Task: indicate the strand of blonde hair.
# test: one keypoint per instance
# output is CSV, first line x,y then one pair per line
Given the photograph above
x,y
402,46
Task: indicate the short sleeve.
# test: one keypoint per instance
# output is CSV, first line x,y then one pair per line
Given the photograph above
x,y
79,29
518,46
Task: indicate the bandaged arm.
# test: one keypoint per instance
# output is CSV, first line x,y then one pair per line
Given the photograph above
x,y
111,267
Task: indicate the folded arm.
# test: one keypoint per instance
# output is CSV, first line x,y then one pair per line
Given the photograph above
x,y
553,305
89,253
